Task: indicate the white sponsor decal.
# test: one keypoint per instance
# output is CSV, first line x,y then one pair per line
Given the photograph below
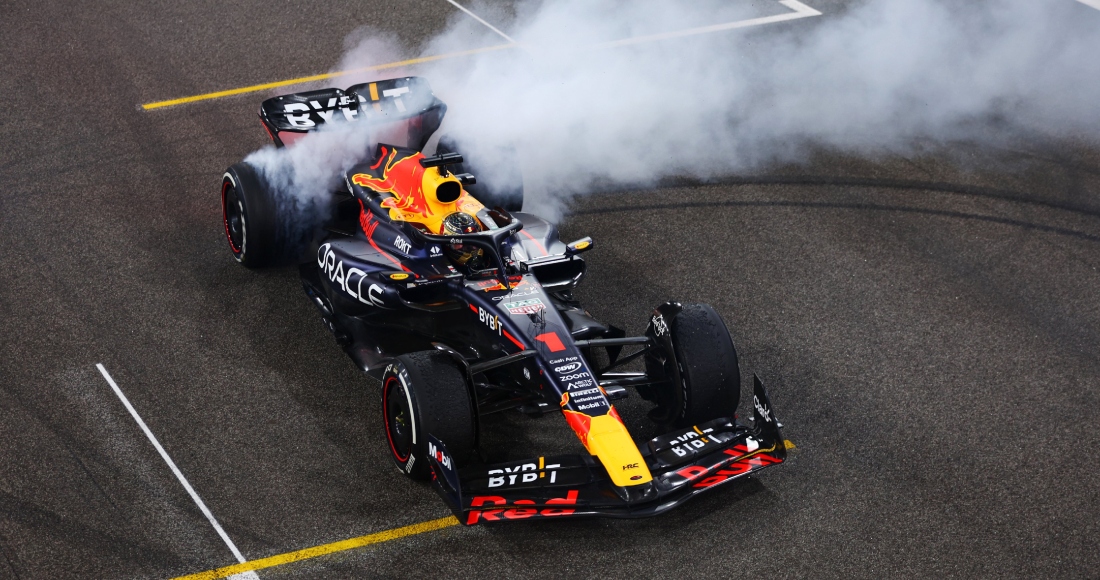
x,y
350,281
686,443
580,384
762,410
561,360
325,111
402,244
518,293
525,473
442,458
586,399
573,376
567,368
394,94
659,326
493,322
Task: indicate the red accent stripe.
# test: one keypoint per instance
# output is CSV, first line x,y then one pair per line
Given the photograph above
x,y
551,340
507,334
514,341
385,396
537,243
225,218
368,229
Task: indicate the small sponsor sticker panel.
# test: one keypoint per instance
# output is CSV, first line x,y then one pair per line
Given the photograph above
x,y
527,306
581,393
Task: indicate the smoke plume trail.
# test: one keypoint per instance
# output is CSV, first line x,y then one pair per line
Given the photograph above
x,y
877,75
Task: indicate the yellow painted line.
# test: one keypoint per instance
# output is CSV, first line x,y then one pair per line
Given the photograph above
x,y
321,77
324,549
800,10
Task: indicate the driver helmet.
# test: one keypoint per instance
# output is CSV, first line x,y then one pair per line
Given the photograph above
x,y
465,254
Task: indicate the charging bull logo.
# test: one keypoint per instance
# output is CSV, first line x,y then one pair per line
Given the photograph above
x,y
403,178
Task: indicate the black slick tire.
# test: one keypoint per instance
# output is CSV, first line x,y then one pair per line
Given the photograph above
x,y
425,392
250,217
710,374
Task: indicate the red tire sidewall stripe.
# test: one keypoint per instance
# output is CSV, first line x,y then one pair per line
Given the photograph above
x,y
225,218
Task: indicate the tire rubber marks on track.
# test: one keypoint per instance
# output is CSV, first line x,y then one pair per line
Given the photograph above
x,y
176,471
799,10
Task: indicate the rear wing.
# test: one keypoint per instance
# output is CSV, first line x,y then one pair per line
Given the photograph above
x,y
396,108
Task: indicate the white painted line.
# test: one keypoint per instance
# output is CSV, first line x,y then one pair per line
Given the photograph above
x,y
478,18
172,465
800,10
1091,3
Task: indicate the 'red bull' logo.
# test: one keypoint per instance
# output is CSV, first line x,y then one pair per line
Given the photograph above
x,y
403,178
516,511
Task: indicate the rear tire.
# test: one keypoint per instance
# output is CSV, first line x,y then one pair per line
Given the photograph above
x,y
250,217
497,169
422,393
710,375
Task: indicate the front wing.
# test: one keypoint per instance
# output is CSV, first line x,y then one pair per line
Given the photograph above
x,y
683,463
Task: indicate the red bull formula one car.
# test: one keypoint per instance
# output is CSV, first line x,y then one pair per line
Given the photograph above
x,y
462,309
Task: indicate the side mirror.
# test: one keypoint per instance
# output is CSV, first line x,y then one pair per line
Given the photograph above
x,y
578,246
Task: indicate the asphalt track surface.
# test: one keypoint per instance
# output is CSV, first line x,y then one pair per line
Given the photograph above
x,y
929,335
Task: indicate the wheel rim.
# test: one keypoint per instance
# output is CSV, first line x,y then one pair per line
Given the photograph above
x,y
398,419
233,212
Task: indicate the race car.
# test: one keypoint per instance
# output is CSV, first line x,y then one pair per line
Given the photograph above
x,y
462,305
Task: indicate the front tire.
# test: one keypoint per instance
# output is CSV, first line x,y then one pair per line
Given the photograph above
x,y
706,363
422,393
250,217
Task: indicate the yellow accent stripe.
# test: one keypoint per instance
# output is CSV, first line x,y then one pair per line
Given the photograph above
x,y
324,549
321,77
789,445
